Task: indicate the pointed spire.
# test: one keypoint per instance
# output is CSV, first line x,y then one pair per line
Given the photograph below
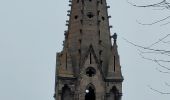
x,y
114,68
88,44
87,25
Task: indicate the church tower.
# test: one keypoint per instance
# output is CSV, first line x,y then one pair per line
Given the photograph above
x,y
88,67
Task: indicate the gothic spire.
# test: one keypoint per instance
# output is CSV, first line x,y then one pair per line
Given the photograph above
x,y
88,24
88,60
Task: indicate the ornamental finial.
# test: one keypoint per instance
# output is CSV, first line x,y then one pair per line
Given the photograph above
x,y
114,36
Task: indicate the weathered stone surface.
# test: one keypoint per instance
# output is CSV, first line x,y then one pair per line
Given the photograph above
x,y
87,47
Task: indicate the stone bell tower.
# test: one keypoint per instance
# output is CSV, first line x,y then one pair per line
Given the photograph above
x,y
88,67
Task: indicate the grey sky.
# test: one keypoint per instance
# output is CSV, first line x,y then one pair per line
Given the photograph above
x,y
32,31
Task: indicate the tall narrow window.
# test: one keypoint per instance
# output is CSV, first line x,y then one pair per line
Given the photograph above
x,y
81,21
81,31
101,61
66,93
101,2
114,94
90,58
98,12
114,63
100,52
90,93
66,60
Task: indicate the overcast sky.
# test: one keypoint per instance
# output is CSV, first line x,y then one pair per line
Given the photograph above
x,y
32,31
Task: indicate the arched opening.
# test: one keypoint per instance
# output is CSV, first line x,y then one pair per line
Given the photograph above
x,y
90,93
114,94
66,93
90,15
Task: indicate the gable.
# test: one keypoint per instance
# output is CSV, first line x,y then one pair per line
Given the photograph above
x,y
91,60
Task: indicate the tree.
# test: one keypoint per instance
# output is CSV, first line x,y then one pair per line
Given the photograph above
x,y
162,5
159,51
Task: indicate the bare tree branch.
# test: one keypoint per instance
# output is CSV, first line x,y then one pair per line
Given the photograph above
x,y
146,48
167,84
162,65
165,24
153,51
164,4
155,22
162,71
159,40
155,60
166,42
158,91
